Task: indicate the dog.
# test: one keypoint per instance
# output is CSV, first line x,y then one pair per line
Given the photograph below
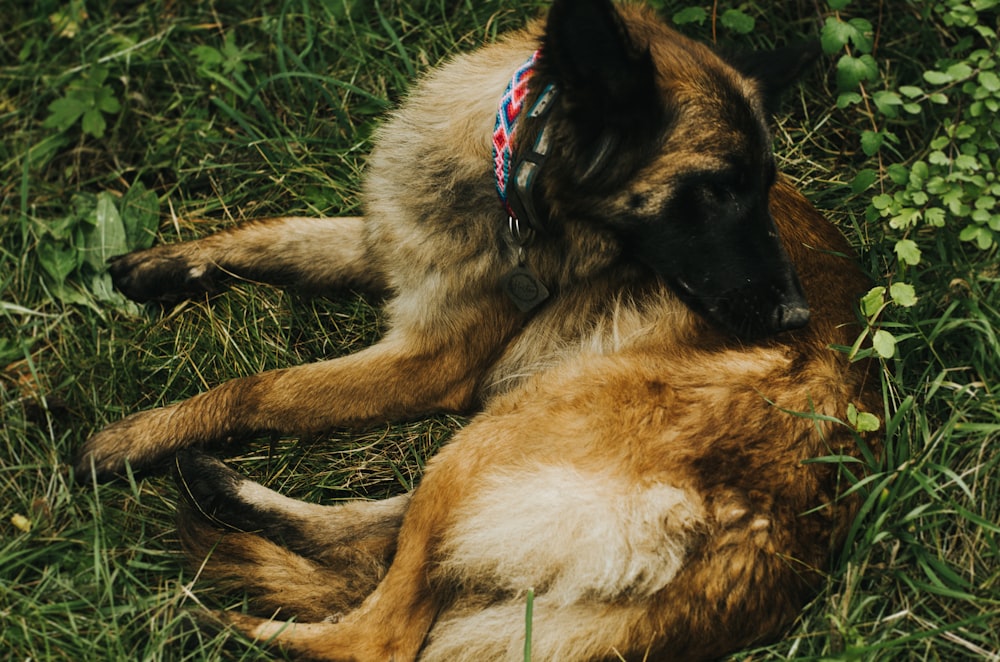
x,y
584,242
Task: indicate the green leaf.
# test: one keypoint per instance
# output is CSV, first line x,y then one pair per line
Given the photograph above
x,y
690,15
852,413
64,112
105,101
959,71
93,123
863,180
859,37
835,35
207,56
737,21
61,229
898,173
57,259
96,76
862,421
107,238
852,71
966,162
871,303
964,131
910,91
903,294
979,234
937,77
886,101
867,422
871,141
882,201
102,287
986,202
838,5
906,217
884,344
937,185
908,252
848,99
140,212
989,81
935,216
938,158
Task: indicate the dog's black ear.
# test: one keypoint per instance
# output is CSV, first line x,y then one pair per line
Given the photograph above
x,y
776,70
606,82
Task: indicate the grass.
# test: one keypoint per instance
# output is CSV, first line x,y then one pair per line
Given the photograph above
x,y
227,111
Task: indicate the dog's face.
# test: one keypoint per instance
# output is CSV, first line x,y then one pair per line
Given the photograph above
x,y
663,141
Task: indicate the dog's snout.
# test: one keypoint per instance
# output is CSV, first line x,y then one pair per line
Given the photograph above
x,y
790,316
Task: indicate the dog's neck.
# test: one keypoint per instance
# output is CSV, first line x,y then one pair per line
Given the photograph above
x,y
517,172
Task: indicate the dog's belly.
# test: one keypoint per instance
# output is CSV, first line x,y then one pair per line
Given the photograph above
x,y
570,533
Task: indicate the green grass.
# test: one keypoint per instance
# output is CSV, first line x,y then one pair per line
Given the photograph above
x,y
227,111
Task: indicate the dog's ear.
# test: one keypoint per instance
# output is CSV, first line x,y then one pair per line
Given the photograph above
x,y
776,70
607,84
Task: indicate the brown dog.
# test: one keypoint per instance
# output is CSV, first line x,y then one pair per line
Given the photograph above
x,y
627,318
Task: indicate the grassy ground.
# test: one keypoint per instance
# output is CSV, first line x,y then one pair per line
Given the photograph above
x,y
122,118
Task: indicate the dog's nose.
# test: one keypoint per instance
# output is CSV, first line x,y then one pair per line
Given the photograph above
x,y
788,317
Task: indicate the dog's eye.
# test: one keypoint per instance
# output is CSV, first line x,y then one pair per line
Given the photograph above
x,y
718,194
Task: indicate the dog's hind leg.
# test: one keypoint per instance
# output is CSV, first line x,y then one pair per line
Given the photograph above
x,y
314,254
274,578
304,560
327,534
392,623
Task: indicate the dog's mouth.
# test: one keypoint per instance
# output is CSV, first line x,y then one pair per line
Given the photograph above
x,y
744,313
684,288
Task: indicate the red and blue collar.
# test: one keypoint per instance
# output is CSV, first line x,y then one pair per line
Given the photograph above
x,y
516,173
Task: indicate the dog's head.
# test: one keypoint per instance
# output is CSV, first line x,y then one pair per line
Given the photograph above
x,y
665,142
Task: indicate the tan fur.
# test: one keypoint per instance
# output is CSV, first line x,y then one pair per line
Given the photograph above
x,y
644,473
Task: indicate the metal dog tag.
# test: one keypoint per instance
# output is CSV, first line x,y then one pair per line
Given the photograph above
x,y
524,289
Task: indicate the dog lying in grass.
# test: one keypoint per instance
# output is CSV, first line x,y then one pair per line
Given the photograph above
x,y
583,237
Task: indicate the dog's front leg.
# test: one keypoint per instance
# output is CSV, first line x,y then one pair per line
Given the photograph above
x,y
314,254
391,380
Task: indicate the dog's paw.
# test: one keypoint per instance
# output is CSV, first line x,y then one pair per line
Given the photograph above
x,y
104,456
212,490
163,273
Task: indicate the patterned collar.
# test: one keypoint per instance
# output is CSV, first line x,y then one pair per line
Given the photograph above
x,y
508,113
516,194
